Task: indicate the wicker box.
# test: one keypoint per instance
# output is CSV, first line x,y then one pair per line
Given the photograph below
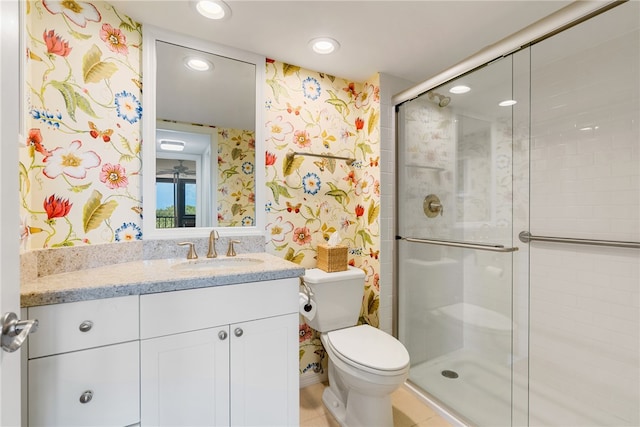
x,y
332,258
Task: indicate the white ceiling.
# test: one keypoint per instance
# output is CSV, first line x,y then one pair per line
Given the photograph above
x,y
413,40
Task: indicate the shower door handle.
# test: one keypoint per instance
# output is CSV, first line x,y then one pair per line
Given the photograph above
x,y
463,245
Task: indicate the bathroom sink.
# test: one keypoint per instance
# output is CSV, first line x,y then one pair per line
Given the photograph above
x,y
217,264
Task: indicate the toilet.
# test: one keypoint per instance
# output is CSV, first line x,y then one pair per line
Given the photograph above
x,y
365,364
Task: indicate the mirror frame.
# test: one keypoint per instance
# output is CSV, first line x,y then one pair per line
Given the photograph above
x,y
150,36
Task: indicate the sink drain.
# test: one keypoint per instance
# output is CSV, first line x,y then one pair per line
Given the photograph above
x,y
449,374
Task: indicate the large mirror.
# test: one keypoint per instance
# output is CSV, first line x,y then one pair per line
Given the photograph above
x,y
203,151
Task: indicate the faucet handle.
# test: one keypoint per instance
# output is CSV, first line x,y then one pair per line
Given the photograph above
x,y
231,250
192,250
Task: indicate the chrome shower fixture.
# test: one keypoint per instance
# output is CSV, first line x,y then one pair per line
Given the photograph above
x,y
441,100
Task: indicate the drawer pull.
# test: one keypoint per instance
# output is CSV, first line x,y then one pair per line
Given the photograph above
x,y
238,332
86,396
222,335
86,326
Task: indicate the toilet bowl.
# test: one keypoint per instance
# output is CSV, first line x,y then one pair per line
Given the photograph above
x,y
365,364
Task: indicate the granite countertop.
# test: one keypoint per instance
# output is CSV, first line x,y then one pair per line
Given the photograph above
x,y
150,276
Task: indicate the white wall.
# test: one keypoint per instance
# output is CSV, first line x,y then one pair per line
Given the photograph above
x,y
389,86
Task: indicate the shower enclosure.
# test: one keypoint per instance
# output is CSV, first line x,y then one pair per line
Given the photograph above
x,y
508,328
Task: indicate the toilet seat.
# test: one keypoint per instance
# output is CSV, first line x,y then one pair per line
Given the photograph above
x,y
369,349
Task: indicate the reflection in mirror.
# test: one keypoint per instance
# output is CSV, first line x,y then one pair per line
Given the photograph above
x,y
203,164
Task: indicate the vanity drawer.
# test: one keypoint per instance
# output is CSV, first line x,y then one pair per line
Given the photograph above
x,y
84,324
106,379
181,311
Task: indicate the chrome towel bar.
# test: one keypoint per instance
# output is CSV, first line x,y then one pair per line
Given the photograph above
x,y
464,245
526,237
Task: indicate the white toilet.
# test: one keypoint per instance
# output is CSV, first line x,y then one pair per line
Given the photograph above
x,y
365,364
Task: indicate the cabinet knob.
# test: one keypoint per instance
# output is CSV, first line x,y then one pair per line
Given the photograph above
x,y
86,326
238,332
86,396
222,335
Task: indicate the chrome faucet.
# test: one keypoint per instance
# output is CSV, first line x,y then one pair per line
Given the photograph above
x,y
213,236
231,250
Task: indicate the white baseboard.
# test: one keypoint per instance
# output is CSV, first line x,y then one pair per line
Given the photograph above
x,y
311,378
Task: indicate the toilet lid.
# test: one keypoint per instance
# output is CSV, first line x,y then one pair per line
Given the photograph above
x,y
370,347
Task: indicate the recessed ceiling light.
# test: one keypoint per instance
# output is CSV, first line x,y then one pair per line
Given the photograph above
x,y
324,45
460,89
213,9
171,145
508,103
197,64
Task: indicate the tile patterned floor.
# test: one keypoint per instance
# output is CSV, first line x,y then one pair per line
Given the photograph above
x,y
408,410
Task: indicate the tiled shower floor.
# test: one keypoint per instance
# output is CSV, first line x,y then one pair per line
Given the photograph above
x,y
408,410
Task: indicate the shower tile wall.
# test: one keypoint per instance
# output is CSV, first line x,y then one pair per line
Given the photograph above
x,y
585,183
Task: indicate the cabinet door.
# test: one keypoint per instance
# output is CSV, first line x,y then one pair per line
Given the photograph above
x,y
264,372
97,387
185,379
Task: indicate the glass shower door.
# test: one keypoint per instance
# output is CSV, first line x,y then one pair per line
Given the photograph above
x,y
458,311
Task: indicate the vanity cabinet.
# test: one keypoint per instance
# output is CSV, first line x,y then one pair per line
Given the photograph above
x,y
225,355
220,355
83,366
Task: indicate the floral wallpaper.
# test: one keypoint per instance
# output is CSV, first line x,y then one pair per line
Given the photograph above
x,y
80,163
236,177
310,198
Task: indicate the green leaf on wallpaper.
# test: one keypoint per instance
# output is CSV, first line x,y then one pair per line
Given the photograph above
x,y
289,256
235,208
281,247
69,96
78,35
301,353
236,153
338,103
25,183
126,158
364,147
228,173
126,26
64,244
374,210
278,90
373,121
372,303
94,211
288,69
80,188
84,105
366,238
93,69
290,164
278,190
341,196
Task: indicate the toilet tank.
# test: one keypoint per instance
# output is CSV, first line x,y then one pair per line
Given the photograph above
x,y
338,297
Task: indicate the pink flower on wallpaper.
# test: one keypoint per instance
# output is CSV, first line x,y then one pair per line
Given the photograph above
x,y
70,161
114,176
78,12
302,235
55,44
279,229
359,123
305,332
115,40
301,138
277,129
359,210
